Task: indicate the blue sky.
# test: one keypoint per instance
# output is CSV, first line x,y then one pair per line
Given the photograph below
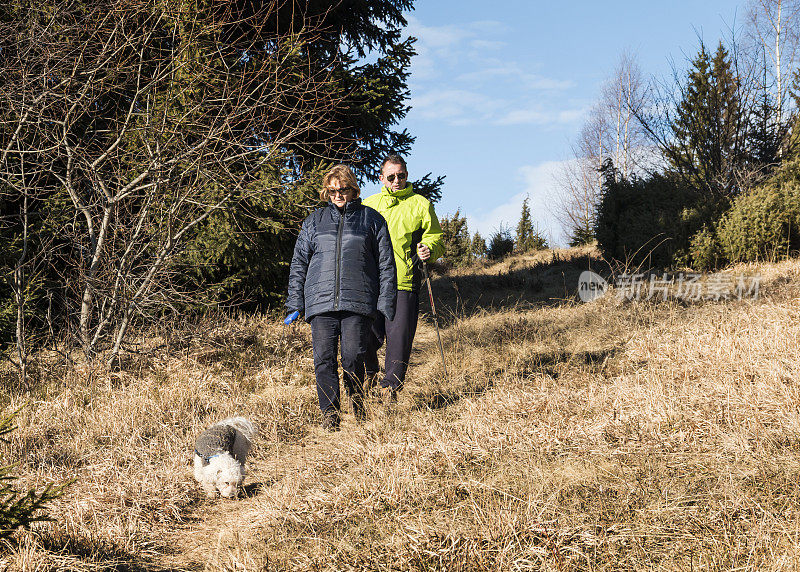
x,y
499,90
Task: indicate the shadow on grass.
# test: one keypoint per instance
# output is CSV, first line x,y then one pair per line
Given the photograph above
x,y
520,283
553,363
556,363
253,489
96,554
442,395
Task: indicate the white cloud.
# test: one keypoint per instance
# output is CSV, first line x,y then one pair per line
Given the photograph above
x,y
536,181
489,27
539,83
494,69
470,107
462,74
436,37
539,116
437,47
487,45
456,106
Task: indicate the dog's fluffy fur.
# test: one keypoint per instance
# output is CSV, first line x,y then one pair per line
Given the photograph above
x,y
220,454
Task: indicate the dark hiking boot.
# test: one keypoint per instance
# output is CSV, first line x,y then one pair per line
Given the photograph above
x,y
331,420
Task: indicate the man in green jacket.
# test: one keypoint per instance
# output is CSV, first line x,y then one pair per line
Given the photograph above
x,y
413,228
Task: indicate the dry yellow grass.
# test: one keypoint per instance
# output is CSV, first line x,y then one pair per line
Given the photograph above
x,y
605,436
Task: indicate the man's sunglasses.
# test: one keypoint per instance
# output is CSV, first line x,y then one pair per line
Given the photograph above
x,y
400,177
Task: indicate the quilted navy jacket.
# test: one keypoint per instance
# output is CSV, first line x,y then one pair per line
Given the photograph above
x,y
343,261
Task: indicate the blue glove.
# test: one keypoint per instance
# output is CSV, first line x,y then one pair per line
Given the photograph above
x,y
291,317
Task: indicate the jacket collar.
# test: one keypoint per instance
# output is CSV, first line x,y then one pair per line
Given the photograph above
x,y
349,206
401,194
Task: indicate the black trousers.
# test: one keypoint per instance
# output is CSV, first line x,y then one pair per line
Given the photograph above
x,y
326,331
399,335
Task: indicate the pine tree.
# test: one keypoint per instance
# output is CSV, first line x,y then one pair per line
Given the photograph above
x,y
528,238
709,128
455,239
581,235
646,221
478,247
524,227
363,126
243,256
767,136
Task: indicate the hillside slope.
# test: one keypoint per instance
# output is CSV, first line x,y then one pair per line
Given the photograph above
x,y
603,436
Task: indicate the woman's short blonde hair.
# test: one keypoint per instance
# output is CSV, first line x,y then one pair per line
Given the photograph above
x,y
344,176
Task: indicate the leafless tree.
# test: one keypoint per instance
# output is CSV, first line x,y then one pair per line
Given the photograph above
x,y
624,94
129,124
774,30
610,131
578,192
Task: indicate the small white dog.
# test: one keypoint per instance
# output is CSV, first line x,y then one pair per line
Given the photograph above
x,y
219,456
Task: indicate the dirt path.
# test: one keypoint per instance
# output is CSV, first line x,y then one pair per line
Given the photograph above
x,y
211,526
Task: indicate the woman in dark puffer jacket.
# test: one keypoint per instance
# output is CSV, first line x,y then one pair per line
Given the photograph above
x,y
342,273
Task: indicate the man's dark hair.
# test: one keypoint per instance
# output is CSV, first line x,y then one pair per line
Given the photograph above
x,y
396,159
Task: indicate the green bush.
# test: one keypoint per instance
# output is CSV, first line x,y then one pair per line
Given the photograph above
x,y
501,244
764,223
647,222
704,250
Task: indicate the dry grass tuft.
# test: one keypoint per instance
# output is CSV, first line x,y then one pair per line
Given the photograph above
x,y
605,436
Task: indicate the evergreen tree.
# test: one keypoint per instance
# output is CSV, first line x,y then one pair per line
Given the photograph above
x,y
646,221
768,137
455,239
528,238
251,247
524,227
710,127
339,37
501,244
478,247
581,235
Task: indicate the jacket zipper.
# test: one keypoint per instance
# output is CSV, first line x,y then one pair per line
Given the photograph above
x,y
338,260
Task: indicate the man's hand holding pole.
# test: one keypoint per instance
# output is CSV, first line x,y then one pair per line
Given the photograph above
x,y
423,252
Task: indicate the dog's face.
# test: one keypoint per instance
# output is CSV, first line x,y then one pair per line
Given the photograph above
x,y
228,483
225,474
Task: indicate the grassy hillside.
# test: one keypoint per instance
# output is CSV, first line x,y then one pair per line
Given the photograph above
x,y
604,436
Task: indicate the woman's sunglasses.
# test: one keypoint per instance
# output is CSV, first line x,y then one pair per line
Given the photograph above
x,y
343,192
400,177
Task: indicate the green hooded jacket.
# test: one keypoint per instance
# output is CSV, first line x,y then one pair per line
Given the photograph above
x,y
411,220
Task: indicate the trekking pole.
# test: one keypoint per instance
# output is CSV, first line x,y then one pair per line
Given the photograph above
x,y
435,319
